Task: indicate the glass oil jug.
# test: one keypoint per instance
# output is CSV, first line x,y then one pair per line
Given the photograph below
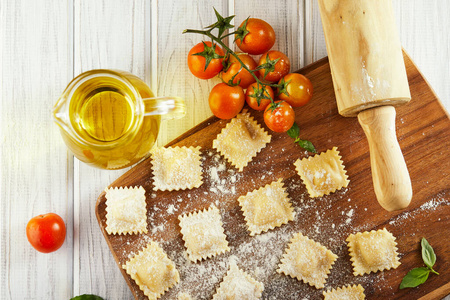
x,y
110,119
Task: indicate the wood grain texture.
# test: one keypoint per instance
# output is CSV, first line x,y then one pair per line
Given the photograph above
x,y
110,35
366,64
39,42
173,75
420,25
426,146
34,71
286,18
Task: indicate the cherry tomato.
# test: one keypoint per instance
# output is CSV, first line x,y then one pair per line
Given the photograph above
x,y
296,89
281,118
242,74
277,70
196,63
226,101
255,36
254,91
46,233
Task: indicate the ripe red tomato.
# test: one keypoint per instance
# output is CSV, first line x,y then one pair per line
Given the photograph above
x,y
254,91
242,74
278,69
226,101
255,36
196,63
281,118
46,233
296,89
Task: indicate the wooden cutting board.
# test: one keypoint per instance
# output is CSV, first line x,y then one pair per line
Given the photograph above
x,y
423,129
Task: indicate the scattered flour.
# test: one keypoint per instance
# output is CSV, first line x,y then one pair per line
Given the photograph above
x,y
260,255
429,206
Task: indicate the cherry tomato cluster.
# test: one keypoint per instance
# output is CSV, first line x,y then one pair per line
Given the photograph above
x,y
265,86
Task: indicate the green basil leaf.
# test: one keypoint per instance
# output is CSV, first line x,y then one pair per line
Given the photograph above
x,y
415,277
87,297
428,256
307,145
294,131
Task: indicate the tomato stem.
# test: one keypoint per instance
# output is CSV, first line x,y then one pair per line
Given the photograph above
x,y
222,44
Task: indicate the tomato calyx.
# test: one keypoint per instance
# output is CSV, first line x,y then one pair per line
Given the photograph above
x,y
282,87
231,81
222,23
274,105
226,65
242,31
260,93
209,53
268,66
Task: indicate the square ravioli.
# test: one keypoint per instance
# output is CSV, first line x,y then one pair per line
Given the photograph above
x,y
241,140
152,271
372,251
355,292
184,296
237,284
203,234
176,168
307,260
266,208
322,174
126,210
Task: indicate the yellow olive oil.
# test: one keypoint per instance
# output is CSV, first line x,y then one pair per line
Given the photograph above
x,y
106,115
109,129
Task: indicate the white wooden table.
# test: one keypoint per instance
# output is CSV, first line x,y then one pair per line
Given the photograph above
x,y
45,43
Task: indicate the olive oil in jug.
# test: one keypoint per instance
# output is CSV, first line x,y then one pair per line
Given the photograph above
x,y
111,119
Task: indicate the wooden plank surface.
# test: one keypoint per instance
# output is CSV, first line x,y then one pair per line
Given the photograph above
x,y
44,44
108,35
34,161
328,220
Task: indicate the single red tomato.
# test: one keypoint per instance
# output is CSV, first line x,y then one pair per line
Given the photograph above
x,y
243,76
226,101
198,57
279,117
46,233
255,36
274,71
255,91
295,89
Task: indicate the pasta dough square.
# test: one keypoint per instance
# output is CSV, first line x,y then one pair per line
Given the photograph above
x,y
266,208
307,260
237,284
176,168
184,296
355,292
322,174
241,140
373,251
126,210
203,234
152,271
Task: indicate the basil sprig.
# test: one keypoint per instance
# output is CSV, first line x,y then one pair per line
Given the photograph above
x,y
294,133
417,276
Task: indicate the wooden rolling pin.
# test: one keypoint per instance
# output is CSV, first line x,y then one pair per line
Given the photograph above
x,y
369,79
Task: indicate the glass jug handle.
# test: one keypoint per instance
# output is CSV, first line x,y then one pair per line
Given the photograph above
x,y
166,107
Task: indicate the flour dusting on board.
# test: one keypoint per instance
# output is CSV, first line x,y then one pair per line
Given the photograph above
x,y
260,255
219,185
428,206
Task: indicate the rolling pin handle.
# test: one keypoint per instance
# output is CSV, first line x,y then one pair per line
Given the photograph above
x,y
391,180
